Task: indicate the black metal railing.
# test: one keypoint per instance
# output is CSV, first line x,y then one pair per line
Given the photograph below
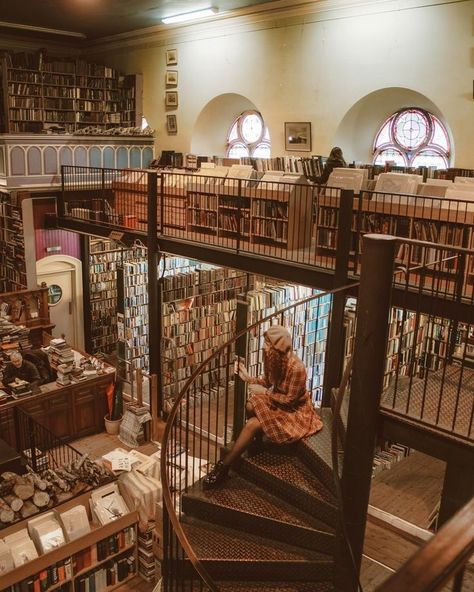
x,y
429,373
36,444
289,222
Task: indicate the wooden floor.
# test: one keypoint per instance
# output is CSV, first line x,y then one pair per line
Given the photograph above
x,y
411,489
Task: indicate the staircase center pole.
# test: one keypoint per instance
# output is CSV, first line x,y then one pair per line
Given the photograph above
x,y
373,310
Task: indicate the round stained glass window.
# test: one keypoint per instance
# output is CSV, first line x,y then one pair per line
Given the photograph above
x,y
248,136
413,137
55,293
411,129
252,128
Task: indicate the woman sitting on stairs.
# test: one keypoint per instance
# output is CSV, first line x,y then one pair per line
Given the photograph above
x,y
279,405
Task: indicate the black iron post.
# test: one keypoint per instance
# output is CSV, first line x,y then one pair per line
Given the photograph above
x,y
154,293
335,344
373,310
240,352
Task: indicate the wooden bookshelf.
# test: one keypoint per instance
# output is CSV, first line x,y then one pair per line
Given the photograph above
x,y
69,550
12,245
104,261
40,91
308,326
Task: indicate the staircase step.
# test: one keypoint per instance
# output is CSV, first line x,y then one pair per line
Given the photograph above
x,y
230,554
275,587
242,505
287,476
316,450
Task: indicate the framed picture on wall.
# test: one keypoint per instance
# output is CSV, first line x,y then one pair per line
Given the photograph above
x,y
171,98
298,135
171,57
171,77
171,124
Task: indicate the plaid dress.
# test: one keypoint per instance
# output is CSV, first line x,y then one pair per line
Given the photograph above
x,y
286,412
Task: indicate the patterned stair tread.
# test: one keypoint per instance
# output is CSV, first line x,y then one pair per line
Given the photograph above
x,y
320,443
243,496
275,586
215,543
293,472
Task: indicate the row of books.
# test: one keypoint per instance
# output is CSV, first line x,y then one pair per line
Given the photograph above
x,y
104,548
109,574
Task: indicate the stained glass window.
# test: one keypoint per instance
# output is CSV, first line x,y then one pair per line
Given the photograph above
x,y
248,136
412,137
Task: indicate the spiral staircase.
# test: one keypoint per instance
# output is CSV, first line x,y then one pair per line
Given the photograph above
x,y
271,525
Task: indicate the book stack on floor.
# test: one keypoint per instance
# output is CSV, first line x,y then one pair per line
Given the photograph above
x,y
146,557
62,359
386,457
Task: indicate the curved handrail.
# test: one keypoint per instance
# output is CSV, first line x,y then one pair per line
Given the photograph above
x,y
440,559
167,494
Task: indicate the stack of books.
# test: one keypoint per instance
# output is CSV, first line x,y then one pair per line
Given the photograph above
x,y
62,359
146,557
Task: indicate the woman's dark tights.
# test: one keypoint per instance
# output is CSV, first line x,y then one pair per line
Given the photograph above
x,y
251,429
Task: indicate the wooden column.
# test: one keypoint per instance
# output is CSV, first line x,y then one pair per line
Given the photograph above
x,y
458,489
336,334
366,386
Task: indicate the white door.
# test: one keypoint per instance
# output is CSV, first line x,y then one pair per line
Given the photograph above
x,y
61,303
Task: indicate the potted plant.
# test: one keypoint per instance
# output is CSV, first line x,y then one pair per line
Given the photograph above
x,y
115,406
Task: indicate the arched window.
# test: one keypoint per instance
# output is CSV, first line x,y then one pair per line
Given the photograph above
x,y
413,137
248,136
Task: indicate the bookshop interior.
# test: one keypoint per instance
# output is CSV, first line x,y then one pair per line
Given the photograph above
x,y
237,310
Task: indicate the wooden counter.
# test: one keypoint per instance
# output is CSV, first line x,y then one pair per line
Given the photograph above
x,y
69,412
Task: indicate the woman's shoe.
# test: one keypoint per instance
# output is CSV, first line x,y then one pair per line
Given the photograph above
x,y
217,476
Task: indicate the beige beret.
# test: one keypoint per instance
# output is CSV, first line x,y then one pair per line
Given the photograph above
x,y
279,337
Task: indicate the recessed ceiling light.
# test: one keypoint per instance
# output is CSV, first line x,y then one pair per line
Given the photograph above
x,y
189,16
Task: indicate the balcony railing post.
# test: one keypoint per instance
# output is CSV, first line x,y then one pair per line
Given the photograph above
x,y
373,308
239,214
335,344
32,443
241,352
62,199
154,292
161,197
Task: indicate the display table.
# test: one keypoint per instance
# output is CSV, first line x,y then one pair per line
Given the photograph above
x,y
69,412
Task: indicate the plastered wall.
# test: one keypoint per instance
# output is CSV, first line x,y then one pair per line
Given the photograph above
x,y
327,68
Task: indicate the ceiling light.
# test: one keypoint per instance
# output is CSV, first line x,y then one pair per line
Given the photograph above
x,y
189,16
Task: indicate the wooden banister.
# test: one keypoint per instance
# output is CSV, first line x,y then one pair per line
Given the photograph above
x,y
440,559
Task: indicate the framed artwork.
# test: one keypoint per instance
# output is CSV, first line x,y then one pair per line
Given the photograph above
x,y
171,77
171,124
171,98
171,57
298,135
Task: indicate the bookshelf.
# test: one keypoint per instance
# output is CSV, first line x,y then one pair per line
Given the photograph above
x,y
260,215
40,91
308,325
107,555
399,216
105,257
199,309
12,245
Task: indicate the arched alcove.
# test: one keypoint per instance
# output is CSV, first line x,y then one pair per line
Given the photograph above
x,y
214,121
356,132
